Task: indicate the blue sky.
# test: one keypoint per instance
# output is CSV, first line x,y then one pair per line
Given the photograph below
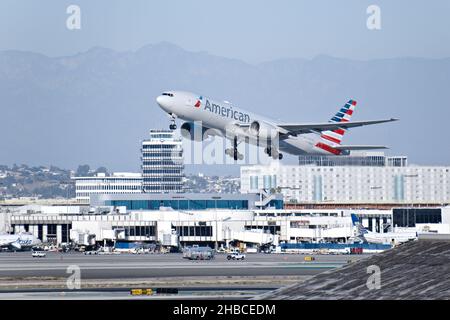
x,y
252,31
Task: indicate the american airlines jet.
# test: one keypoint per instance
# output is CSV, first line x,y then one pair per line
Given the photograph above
x,y
238,125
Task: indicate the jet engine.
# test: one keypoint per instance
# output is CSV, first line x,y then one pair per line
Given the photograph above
x,y
263,130
193,131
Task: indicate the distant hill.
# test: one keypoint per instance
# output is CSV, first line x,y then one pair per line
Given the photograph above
x,y
95,107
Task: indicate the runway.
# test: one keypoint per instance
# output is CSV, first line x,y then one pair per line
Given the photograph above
x,y
112,276
21,264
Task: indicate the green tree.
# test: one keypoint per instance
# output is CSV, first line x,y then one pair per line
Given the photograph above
x,y
102,170
83,170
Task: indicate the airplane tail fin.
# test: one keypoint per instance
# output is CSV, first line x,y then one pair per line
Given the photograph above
x,y
331,139
360,231
355,220
343,115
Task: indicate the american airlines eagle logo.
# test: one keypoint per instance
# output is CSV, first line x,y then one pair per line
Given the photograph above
x,y
199,102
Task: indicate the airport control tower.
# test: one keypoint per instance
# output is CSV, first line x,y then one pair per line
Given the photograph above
x,y
162,162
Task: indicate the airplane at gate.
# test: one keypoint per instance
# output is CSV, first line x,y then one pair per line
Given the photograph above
x,y
226,120
21,241
365,235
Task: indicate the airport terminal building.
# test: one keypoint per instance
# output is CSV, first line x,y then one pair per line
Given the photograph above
x,y
289,204
251,227
189,201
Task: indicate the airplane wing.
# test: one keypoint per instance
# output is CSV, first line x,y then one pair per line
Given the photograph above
x,y
295,129
15,245
359,147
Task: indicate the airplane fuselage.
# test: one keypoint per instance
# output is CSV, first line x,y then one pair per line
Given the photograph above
x,y
21,241
388,238
230,121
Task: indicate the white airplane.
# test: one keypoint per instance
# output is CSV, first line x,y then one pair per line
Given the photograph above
x,y
21,241
227,120
365,235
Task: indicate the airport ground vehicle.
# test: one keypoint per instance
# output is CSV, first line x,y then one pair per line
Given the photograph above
x,y
356,250
198,253
107,251
142,250
221,250
236,255
91,252
38,254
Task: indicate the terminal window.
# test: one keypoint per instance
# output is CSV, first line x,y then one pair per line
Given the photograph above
x,y
408,217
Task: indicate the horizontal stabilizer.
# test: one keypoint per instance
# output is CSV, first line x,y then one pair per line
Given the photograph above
x,y
359,147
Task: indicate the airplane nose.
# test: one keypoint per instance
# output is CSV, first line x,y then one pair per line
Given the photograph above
x,y
163,101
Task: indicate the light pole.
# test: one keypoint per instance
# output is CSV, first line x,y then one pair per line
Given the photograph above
x,y
66,186
216,231
180,228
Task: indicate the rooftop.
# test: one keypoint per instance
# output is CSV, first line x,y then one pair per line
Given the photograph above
x,y
114,175
415,270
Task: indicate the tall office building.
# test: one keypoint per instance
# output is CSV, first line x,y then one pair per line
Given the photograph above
x,y
162,162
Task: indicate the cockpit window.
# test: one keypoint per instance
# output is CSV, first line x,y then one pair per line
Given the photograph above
x,y
167,94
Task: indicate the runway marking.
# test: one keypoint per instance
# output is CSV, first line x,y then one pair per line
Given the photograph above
x,y
171,267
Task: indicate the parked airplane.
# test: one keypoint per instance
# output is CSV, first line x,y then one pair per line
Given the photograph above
x,y
365,235
21,241
227,120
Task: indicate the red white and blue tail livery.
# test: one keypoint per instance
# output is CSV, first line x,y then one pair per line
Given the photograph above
x,y
330,139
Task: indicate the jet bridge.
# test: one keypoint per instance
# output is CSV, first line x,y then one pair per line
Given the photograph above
x,y
251,236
